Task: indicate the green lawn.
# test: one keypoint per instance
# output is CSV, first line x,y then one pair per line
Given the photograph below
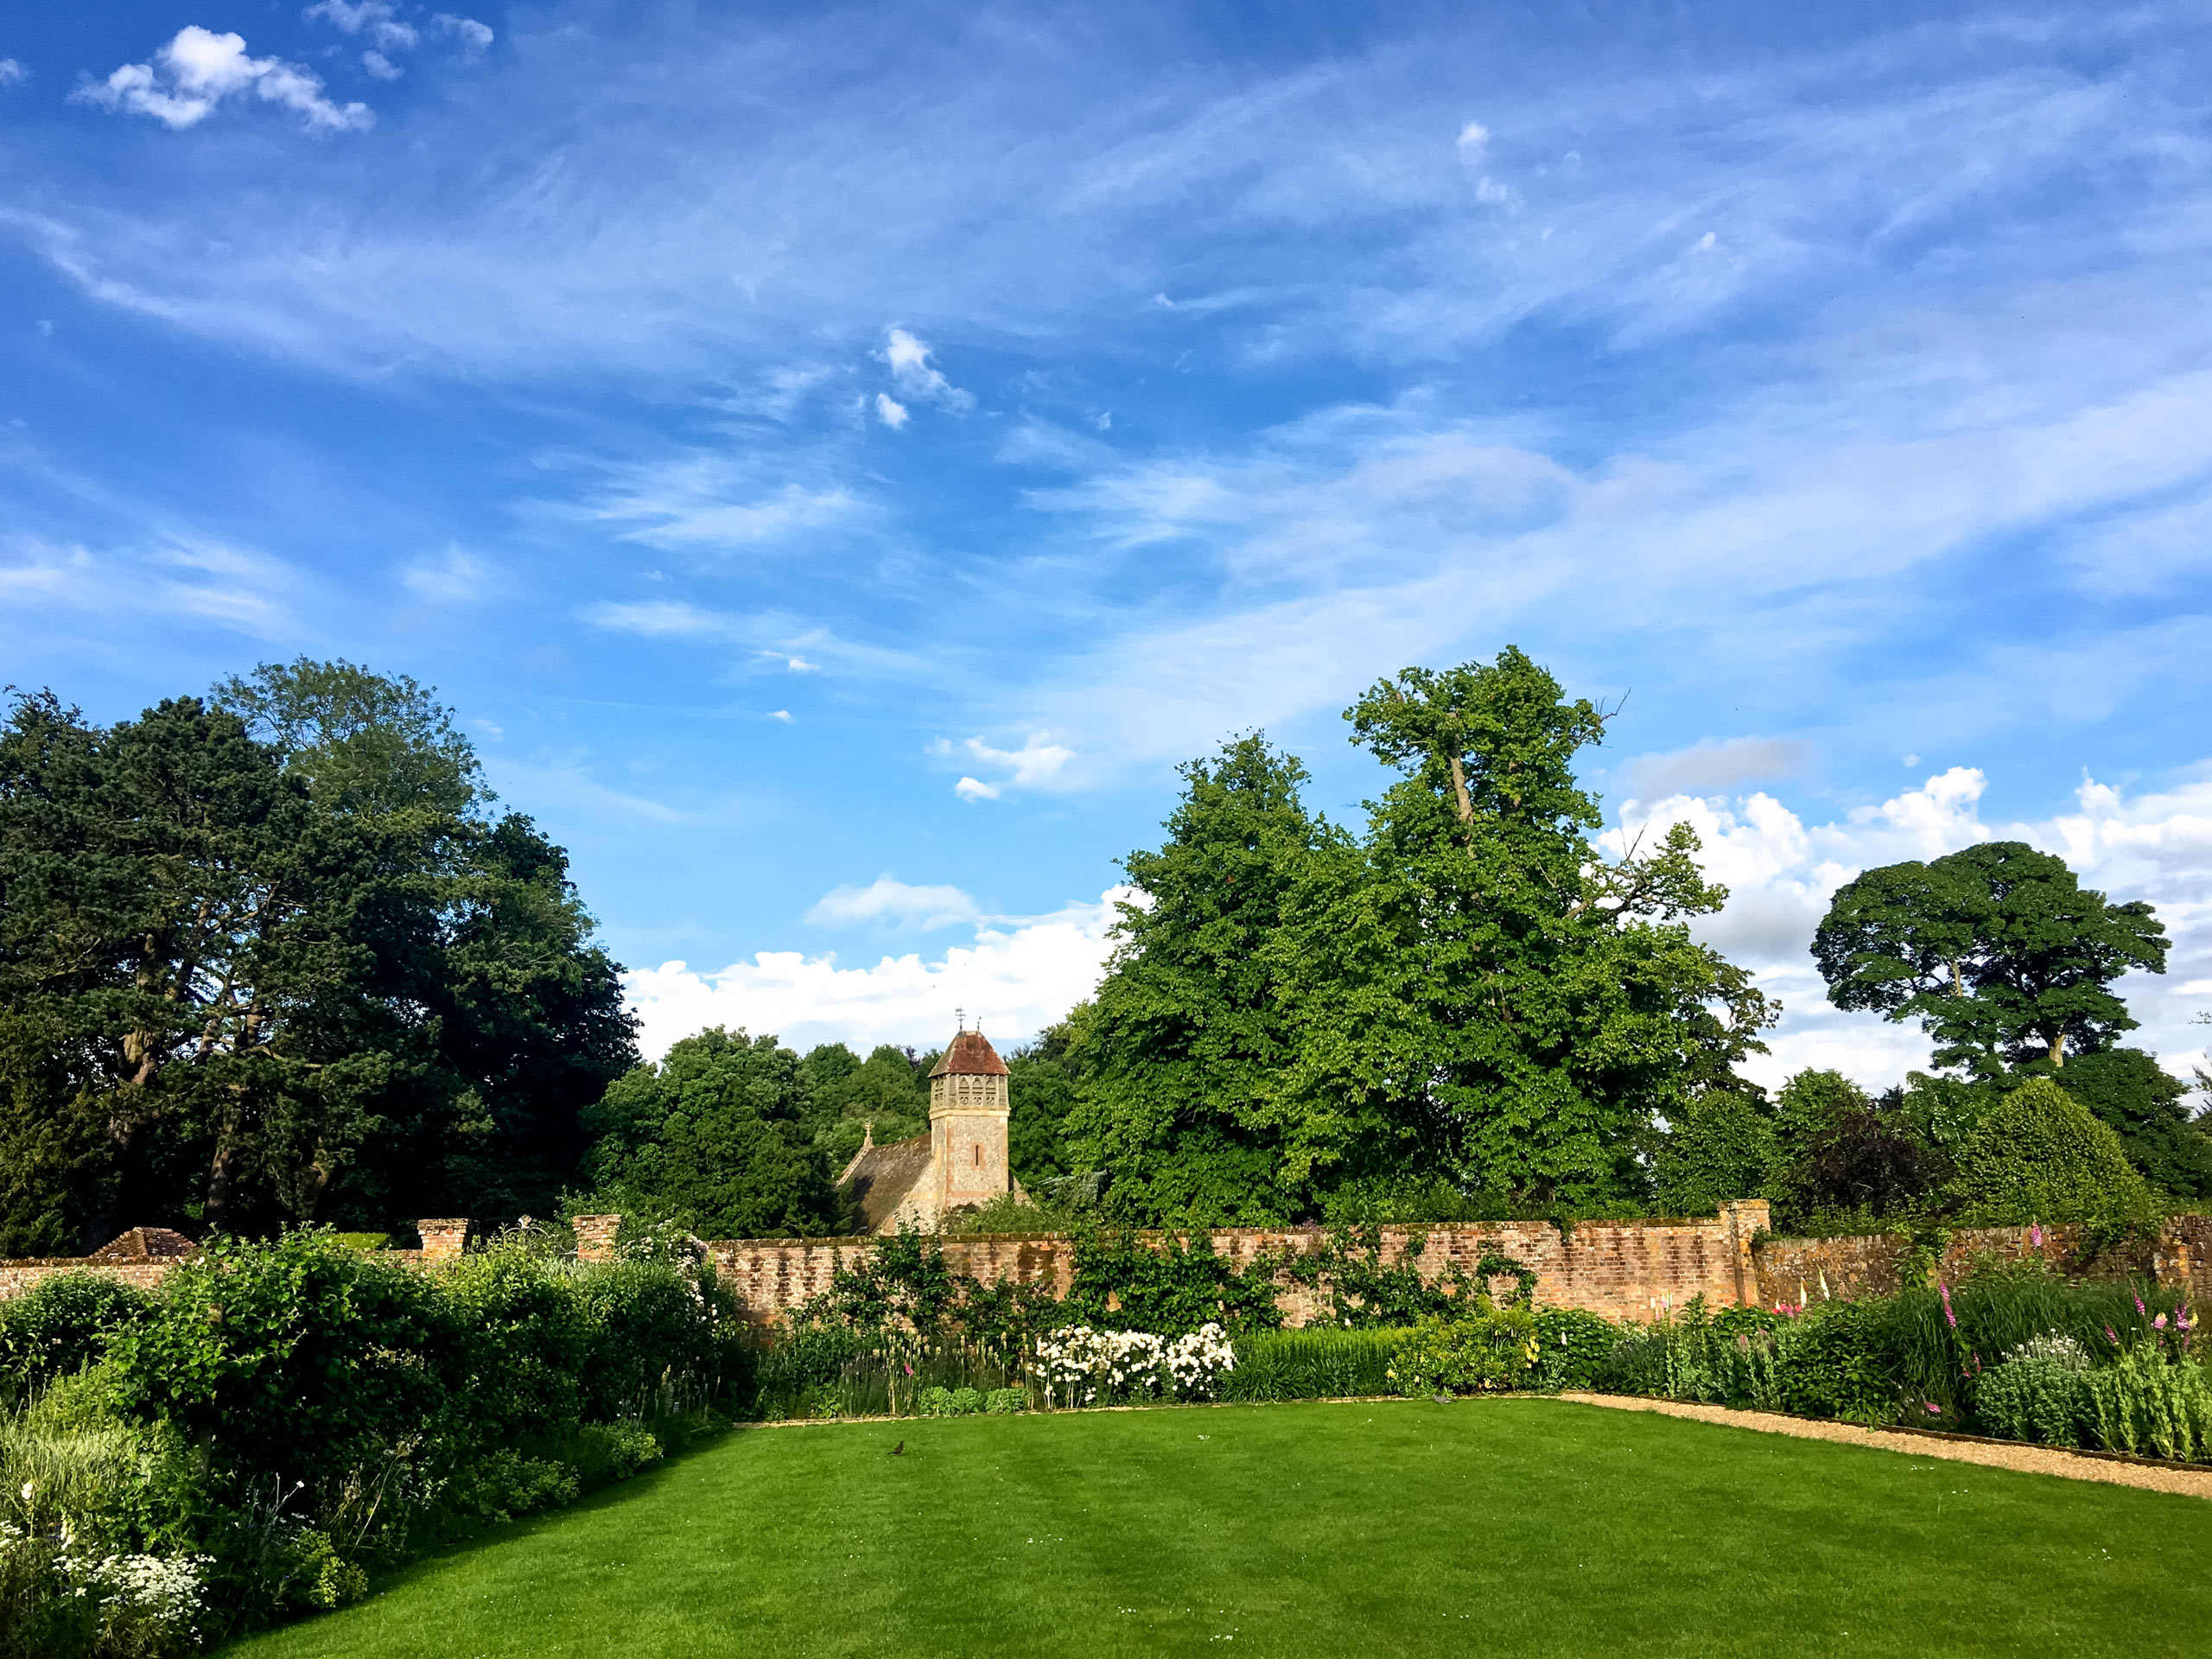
x,y
1512,1526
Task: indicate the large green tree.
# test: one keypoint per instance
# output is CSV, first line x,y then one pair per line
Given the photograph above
x,y
1184,1051
273,961
1516,1006
1471,991
1997,950
715,1137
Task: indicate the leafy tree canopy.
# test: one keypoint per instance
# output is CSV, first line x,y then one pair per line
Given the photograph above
x,y
714,1137
1997,950
1470,990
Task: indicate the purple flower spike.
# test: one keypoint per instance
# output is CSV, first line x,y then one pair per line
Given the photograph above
x,y
2139,1308
2158,1323
1935,1410
2035,1232
2112,1335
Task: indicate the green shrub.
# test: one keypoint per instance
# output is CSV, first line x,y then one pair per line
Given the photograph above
x,y
952,1403
1482,1351
1003,1402
2040,1393
2041,1155
1572,1345
2151,1404
61,1324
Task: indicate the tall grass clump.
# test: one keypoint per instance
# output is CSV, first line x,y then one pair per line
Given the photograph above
x,y
1319,1362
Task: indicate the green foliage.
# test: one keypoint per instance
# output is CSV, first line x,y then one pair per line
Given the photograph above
x,y
2039,1156
1469,991
1721,1146
1044,1087
2152,1405
1184,1051
61,1324
1482,1350
269,958
715,1138
840,1097
2038,1397
2141,1102
1997,950
1318,1363
1171,1288
280,1416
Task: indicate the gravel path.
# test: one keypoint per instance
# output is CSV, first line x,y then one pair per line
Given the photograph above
x,y
2034,1460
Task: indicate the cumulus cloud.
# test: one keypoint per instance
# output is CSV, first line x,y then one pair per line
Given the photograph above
x,y
910,369
381,66
974,789
890,410
12,73
1474,138
1015,979
1781,872
1038,762
1710,766
198,70
889,900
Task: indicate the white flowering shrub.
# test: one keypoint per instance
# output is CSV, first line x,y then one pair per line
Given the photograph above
x,y
1080,1366
148,1604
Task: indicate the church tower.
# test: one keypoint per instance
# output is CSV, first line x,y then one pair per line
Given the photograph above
x,y
969,1111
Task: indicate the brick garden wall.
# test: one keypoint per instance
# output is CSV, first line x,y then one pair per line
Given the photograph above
x,y
1791,1269
1630,1270
1624,1269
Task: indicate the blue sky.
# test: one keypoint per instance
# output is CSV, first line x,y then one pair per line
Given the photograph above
x,y
837,461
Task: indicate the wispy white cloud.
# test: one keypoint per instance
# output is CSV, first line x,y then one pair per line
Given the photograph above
x,y
704,502
454,578
473,36
771,637
12,73
892,902
377,19
188,79
974,789
1015,979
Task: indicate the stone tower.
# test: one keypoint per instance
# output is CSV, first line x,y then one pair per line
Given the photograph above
x,y
968,1109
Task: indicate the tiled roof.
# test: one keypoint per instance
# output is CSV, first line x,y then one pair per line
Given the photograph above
x,y
970,1056
144,1244
881,1177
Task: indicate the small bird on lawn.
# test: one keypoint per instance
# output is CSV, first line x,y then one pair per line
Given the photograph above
x,y
897,1449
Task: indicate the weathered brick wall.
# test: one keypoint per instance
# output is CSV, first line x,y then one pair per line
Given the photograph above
x,y
1794,1270
16,1277
1624,1269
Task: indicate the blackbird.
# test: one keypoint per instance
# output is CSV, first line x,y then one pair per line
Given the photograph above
x,y
897,1449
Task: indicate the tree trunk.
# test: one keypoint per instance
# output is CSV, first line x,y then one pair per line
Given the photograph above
x,y
2058,1047
219,1173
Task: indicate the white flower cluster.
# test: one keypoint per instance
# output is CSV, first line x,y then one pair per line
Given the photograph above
x,y
164,1589
1078,1363
2053,1345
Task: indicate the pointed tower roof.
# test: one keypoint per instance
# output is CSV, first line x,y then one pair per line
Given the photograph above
x,y
970,1056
